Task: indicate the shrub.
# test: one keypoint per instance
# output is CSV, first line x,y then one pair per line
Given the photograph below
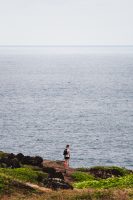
x,y
81,176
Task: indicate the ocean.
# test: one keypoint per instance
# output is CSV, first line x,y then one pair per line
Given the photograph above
x,y
81,96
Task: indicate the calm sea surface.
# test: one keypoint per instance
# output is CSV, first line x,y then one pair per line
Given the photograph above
x,y
50,97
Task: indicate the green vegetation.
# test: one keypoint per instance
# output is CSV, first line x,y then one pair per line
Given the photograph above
x,y
15,179
22,174
1,184
116,178
82,176
3,154
115,182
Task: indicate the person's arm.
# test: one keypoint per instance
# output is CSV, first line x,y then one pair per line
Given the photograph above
x,y
69,152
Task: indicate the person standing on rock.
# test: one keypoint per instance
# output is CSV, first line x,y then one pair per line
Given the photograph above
x,y
66,156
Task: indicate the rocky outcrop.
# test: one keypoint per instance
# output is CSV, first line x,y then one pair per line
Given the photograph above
x,y
100,173
106,172
56,183
20,156
56,176
15,161
35,161
53,173
11,162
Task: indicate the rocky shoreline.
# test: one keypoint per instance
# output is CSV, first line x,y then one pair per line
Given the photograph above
x,y
55,179
35,173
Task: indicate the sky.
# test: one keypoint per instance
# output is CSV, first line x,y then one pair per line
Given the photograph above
x,y
66,22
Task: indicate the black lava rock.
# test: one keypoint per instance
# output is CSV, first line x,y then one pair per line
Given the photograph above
x,y
49,170
58,175
56,183
20,156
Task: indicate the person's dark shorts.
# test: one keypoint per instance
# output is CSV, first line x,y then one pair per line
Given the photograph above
x,y
67,158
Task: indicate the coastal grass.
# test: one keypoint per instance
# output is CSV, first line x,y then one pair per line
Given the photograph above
x,y
84,194
82,176
83,179
1,184
115,182
3,154
12,180
22,174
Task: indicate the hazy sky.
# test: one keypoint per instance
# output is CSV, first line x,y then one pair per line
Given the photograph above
x,y
66,22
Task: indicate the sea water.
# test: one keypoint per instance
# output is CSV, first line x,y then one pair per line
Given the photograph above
x,y
81,96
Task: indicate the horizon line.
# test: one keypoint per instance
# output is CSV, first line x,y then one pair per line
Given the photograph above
x,y
66,45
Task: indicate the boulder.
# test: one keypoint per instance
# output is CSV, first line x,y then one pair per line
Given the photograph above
x,y
56,183
26,160
105,172
15,163
49,170
20,156
11,156
58,175
10,162
37,161
53,173
6,161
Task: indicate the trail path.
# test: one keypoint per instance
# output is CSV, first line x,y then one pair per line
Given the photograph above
x,y
37,187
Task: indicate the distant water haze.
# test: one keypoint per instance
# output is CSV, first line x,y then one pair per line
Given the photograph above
x,y
60,49
82,96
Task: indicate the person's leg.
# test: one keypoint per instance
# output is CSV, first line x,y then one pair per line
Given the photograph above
x,y
65,165
67,162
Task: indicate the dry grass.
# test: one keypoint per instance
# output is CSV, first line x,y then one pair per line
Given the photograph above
x,y
90,194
